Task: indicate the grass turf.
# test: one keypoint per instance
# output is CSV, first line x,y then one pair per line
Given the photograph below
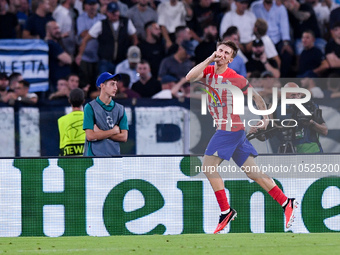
x,y
275,243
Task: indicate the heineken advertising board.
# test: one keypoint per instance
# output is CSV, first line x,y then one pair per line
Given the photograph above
x,y
159,195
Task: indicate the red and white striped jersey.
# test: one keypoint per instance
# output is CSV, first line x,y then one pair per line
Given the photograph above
x,y
223,112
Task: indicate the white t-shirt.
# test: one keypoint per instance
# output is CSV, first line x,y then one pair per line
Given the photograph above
x,y
78,4
245,24
97,28
269,47
317,92
163,94
171,16
63,17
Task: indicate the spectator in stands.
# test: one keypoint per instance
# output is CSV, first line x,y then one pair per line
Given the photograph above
x,y
172,14
322,13
311,62
178,64
260,32
147,85
333,86
265,86
9,24
173,88
22,95
235,37
302,17
140,14
183,89
167,84
259,61
22,11
331,4
53,5
63,90
278,30
333,49
112,48
244,20
334,16
123,8
13,80
70,126
310,84
72,81
3,87
237,64
88,68
152,48
35,27
65,15
123,88
208,44
204,12
182,33
79,6
129,65
59,60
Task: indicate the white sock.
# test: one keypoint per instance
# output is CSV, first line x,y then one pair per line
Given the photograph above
x,y
225,212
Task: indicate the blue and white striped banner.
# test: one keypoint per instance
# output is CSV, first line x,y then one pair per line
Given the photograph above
x,y
28,57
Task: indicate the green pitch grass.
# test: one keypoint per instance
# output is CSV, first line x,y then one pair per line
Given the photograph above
x,y
276,243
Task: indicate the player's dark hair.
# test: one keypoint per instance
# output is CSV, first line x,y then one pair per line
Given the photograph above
x,y
76,97
230,44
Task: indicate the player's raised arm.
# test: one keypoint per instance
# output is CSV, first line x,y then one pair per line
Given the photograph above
x,y
196,73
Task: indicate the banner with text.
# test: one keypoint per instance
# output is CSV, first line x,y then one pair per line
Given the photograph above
x,y
28,57
152,195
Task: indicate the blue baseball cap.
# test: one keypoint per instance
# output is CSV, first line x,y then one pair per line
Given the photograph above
x,y
189,48
90,2
168,78
106,76
112,7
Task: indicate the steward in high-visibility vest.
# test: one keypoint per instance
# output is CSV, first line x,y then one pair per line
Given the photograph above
x,y
72,135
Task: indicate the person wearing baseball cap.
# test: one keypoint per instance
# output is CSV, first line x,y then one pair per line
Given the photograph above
x,y
258,62
115,35
129,65
105,121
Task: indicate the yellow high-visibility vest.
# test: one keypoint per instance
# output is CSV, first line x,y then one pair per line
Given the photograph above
x,y
72,135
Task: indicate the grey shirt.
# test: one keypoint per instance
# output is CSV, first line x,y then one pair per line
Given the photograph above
x,y
139,19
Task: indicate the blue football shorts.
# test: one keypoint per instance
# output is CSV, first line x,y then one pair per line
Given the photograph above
x,y
235,145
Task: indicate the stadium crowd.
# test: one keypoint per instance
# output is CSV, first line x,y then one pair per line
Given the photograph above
x,y
155,43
